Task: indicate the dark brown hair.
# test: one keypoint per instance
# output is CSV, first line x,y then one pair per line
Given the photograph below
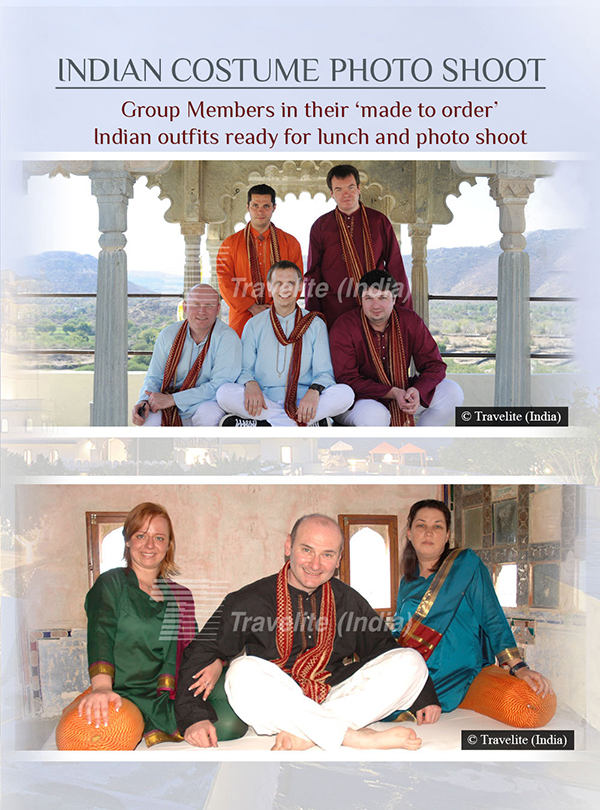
x,y
341,172
283,264
409,564
381,280
139,516
262,189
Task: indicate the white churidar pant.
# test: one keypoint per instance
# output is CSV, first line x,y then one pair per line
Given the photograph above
x,y
270,701
334,399
371,413
207,414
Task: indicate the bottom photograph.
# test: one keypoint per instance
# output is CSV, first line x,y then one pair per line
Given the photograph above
x,y
334,620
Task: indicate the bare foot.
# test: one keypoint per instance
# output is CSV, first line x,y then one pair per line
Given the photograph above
x,y
397,737
289,742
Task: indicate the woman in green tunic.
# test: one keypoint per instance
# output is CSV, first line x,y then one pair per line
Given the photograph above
x,y
139,623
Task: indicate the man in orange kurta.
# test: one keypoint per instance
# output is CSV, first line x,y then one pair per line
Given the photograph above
x,y
259,242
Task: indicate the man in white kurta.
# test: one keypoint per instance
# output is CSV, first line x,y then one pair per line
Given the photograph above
x,y
196,405
259,396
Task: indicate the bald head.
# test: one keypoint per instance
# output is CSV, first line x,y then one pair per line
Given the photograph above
x,y
307,521
202,291
201,308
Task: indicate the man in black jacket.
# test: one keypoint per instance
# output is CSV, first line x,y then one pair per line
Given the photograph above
x,y
297,629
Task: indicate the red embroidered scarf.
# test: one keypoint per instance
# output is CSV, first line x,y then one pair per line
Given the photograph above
x,y
398,367
301,325
170,416
258,282
180,598
455,575
351,258
309,668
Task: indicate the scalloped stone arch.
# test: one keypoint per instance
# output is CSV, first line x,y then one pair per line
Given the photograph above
x,y
294,177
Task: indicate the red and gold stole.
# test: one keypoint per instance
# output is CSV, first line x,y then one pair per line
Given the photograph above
x,y
398,366
415,633
351,258
258,282
301,325
170,416
186,630
180,602
309,668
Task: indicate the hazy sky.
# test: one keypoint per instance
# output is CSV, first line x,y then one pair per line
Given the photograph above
x,y
63,215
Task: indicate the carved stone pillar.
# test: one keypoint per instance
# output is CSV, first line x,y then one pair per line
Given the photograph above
x,y
192,234
112,185
213,243
419,283
513,375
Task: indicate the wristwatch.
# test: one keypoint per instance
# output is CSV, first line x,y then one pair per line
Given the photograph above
x,y
316,387
517,667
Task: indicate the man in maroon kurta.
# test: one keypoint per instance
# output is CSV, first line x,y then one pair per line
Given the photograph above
x,y
330,286
429,396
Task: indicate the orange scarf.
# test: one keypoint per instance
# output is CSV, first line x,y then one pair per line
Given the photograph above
x,y
309,668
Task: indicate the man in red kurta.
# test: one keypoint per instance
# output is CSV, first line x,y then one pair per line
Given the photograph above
x,y
245,257
371,350
345,244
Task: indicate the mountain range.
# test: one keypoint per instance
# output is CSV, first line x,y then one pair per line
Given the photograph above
x,y
451,271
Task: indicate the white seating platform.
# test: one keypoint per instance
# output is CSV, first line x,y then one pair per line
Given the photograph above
x,y
442,740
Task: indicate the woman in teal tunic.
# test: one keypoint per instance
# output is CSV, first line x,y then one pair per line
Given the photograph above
x,y
448,610
139,623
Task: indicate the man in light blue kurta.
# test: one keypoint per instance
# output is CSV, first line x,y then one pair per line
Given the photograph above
x,y
259,395
196,405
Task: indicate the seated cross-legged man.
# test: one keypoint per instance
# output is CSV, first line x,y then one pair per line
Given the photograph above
x,y
372,348
287,378
296,629
190,361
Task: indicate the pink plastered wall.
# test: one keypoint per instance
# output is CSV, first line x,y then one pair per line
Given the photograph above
x,y
229,533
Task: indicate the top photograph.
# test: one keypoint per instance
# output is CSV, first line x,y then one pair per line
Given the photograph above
x,y
289,293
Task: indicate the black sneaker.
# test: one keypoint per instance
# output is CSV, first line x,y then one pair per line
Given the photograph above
x,y
326,422
231,420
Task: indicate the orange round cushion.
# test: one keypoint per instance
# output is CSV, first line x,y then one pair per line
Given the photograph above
x,y
123,732
498,694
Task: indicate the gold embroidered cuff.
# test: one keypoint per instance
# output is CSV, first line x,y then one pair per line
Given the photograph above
x,y
404,717
101,668
154,737
504,656
165,682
